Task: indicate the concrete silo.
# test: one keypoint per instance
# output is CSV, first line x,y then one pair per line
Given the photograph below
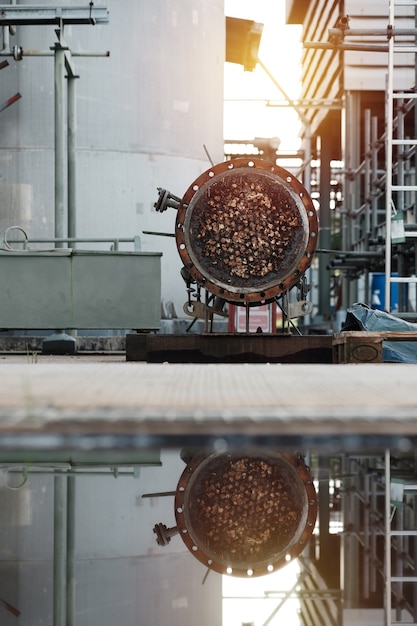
x,y
144,115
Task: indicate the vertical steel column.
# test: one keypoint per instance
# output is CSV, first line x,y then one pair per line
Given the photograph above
x,y
72,132
367,189
349,562
59,549
414,182
415,133
70,605
354,548
400,155
324,227
402,288
399,563
414,542
6,39
343,537
324,509
366,537
374,487
349,167
343,210
387,568
374,192
352,161
389,127
60,144
71,161
345,540
367,176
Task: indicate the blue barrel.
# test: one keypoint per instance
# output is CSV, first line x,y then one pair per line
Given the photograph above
x,y
378,292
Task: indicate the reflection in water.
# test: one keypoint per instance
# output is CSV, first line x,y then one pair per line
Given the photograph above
x,y
256,600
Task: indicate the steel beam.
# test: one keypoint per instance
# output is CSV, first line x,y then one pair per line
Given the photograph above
x,y
19,15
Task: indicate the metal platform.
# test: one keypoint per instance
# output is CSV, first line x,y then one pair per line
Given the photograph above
x,y
78,405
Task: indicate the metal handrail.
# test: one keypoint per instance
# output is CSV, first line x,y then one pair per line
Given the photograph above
x,y
115,241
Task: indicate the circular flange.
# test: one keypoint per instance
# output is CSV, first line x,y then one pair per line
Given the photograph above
x,y
246,230
245,513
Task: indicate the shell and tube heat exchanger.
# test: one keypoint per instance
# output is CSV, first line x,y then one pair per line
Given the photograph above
x,y
246,231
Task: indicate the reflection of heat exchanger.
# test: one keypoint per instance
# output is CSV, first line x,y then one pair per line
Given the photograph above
x,y
244,513
246,231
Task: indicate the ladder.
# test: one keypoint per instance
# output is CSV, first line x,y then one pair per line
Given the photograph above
x,y
395,581
396,182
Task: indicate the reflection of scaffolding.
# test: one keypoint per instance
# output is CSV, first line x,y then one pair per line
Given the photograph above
x,y
400,549
379,503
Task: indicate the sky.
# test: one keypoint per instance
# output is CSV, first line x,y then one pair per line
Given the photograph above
x,y
280,51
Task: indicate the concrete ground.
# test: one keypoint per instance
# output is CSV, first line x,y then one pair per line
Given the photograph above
x,y
324,406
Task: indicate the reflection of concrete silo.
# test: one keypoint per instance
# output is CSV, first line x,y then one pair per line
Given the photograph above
x,y
143,115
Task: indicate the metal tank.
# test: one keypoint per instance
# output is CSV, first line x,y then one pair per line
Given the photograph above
x,y
146,113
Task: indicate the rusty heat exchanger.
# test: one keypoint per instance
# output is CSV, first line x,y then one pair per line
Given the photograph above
x,y
246,230
244,513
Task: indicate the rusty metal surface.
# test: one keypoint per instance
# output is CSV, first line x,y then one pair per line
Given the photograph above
x,y
246,230
247,512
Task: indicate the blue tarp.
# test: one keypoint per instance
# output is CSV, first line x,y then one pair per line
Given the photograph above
x,y
361,317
